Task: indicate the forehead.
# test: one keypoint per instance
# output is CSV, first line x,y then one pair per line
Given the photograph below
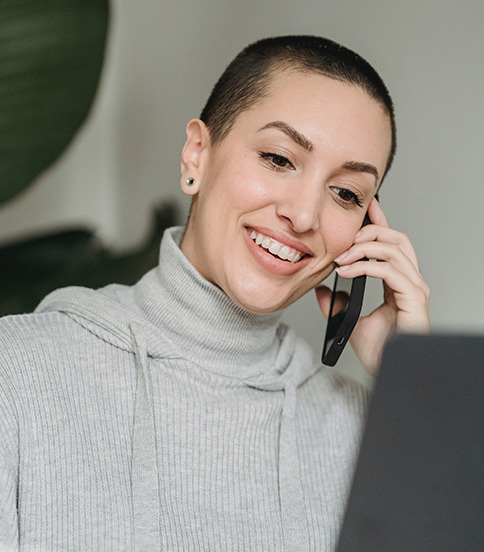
x,y
298,87
329,112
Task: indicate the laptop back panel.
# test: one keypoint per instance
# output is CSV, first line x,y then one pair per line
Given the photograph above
x,y
418,484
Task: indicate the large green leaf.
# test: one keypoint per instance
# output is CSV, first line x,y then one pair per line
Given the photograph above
x,y
51,54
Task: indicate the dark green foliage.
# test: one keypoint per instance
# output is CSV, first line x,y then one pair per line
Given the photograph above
x,y
51,55
30,269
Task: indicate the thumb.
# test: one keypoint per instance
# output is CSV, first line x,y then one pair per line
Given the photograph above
x,y
323,295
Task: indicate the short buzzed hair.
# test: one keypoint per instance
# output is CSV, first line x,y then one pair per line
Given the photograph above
x,y
247,78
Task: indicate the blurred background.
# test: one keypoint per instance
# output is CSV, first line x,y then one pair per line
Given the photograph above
x,y
95,95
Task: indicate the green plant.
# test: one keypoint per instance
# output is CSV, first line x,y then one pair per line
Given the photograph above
x,y
51,56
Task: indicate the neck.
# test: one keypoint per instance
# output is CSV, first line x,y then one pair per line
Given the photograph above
x,y
201,320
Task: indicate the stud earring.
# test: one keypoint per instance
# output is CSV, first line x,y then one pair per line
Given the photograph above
x,y
190,181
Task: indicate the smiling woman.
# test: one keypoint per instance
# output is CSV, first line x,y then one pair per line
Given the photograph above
x,y
299,167
180,413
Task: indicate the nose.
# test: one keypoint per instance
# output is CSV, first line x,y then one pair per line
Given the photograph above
x,y
300,204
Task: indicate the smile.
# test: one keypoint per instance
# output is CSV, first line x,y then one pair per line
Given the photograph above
x,y
276,248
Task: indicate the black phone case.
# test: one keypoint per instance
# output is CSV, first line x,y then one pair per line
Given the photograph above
x,y
340,326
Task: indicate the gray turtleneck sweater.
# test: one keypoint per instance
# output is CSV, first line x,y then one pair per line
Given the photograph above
x,y
162,416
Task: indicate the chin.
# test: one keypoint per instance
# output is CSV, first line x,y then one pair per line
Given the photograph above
x,y
262,301
260,309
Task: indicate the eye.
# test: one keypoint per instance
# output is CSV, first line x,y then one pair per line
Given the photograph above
x,y
348,197
276,161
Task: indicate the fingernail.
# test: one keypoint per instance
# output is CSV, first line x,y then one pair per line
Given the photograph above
x,y
341,257
341,269
358,235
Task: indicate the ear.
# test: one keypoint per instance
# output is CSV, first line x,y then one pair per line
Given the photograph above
x,y
194,154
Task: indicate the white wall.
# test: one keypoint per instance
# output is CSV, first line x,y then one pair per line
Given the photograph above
x,y
163,59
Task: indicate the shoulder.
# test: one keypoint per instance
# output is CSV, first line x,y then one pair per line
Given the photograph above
x,y
48,358
27,332
33,346
23,345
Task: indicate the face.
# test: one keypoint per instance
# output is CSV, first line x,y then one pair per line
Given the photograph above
x,y
287,189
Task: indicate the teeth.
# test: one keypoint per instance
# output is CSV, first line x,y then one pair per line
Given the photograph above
x,y
276,248
284,252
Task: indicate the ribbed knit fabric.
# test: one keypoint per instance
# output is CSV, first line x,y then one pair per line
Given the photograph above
x,y
164,417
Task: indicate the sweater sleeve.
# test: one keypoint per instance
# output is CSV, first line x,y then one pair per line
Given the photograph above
x,y
8,506
9,532
8,481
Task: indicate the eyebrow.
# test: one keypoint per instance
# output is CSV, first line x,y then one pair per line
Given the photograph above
x,y
290,131
357,166
305,143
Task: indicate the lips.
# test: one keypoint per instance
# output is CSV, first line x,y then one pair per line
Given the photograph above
x,y
281,246
275,247
277,241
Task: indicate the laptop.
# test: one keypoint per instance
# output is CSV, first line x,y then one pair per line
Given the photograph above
x,y
419,480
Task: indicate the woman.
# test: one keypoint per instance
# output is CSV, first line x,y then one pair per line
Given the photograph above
x,y
179,414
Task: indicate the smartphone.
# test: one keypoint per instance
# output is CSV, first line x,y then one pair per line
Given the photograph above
x,y
341,324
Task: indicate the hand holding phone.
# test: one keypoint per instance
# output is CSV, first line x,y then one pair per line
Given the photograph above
x,y
340,324
405,302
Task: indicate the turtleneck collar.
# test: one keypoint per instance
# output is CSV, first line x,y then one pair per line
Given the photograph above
x,y
174,313
202,321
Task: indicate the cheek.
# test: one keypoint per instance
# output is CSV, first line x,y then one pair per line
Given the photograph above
x,y
236,184
340,237
248,190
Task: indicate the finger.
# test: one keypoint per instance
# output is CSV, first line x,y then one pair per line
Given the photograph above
x,y
341,299
394,278
323,295
409,295
383,234
386,252
376,214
